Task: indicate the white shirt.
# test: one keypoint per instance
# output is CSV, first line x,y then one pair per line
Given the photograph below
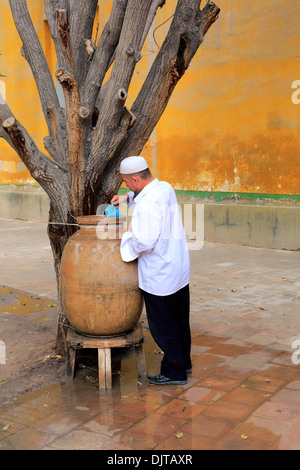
x,y
158,240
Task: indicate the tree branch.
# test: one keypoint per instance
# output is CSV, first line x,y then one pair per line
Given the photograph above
x,y
42,168
5,113
35,57
113,119
82,14
51,8
76,127
153,10
181,43
103,55
65,39
76,130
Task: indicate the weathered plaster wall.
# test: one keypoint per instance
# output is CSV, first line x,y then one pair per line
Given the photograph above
x,y
231,124
20,90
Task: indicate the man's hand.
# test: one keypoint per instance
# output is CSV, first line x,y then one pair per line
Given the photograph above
x,y
119,198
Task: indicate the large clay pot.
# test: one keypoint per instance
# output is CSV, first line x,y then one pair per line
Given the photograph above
x,y
100,292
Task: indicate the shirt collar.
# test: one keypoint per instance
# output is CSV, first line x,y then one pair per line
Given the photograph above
x,y
146,189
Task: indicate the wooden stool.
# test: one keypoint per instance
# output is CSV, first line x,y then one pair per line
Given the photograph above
x,y
134,338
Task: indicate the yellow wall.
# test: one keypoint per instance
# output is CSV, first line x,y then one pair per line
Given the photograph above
x,y
21,93
230,125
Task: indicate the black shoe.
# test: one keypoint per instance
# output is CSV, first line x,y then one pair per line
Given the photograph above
x,y
189,371
162,380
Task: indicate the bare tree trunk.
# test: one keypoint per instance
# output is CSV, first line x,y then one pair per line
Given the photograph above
x,y
89,137
58,235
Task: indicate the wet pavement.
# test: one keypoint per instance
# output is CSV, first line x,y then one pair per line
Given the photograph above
x,y
244,390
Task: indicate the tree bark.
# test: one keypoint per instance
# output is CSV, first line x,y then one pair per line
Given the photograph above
x,y
89,138
103,55
59,234
33,53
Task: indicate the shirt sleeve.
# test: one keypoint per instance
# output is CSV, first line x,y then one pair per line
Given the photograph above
x,y
146,230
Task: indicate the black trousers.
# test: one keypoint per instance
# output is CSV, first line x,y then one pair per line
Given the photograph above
x,y
168,318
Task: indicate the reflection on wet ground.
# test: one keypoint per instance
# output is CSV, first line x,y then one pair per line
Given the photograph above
x,y
239,396
27,332
244,390
13,302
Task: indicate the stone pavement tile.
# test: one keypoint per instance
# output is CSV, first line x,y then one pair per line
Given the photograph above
x,y
156,395
228,410
238,386
207,426
227,349
26,439
251,359
200,373
280,372
92,403
88,396
159,424
136,409
261,428
233,442
132,440
25,415
208,340
197,349
62,421
278,411
263,382
246,396
243,331
265,337
79,440
287,396
268,352
220,383
192,381
284,359
201,395
208,361
234,371
185,441
181,409
253,315
8,427
289,439
109,423
217,327
294,385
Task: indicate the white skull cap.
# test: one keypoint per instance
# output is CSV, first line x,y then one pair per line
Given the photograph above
x,y
132,165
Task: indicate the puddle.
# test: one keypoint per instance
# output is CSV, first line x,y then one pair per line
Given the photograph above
x,y
19,303
82,392
125,379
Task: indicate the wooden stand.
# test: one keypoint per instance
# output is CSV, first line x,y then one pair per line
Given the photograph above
x,y
132,339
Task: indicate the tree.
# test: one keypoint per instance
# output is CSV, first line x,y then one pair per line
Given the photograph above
x,y
89,137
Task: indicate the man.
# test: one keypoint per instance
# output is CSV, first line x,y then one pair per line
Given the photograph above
x,y
157,239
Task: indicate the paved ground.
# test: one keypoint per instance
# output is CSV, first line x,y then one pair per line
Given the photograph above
x,y
243,392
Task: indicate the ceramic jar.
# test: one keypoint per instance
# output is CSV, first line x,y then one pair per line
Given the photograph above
x,y
100,293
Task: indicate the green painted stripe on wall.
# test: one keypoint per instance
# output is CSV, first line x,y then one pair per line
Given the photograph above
x,y
218,196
